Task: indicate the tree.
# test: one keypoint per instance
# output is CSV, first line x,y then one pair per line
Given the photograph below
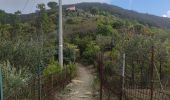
x,y
105,30
18,12
90,52
41,7
94,10
118,24
71,52
104,26
16,18
104,42
52,5
44,23
3,17
139,29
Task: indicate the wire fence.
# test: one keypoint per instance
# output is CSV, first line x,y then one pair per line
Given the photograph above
x,y
131,90
137,91
112,84
40,87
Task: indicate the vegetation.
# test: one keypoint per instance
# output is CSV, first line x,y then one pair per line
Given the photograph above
x,y
146,19
52,68
29,47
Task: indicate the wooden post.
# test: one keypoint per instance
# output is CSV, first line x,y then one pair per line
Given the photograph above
x,y
1,85
52,87
160,70
100,62
123,78
101,77
39,83
151,72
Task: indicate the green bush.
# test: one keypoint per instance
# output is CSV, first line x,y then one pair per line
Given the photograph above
x,y
52,68
55,68
90,53
72,21
72,69
13,78
71,52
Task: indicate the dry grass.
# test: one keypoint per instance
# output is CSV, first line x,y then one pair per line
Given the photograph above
x,y
83,25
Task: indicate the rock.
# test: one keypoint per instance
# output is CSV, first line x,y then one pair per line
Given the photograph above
x,y
69,85
74,93
77,82
83,96
68,89
96,93
88,93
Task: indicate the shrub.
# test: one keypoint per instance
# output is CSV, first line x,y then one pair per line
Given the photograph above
x,y
71,52
52,68
72,21
72,69
90,53
13,78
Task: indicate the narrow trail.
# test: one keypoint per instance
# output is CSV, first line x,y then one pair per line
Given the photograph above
x,y
81,87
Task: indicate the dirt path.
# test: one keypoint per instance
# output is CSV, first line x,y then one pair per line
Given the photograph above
x,y
81,87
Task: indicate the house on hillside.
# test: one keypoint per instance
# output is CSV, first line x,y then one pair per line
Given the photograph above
x,y
71,8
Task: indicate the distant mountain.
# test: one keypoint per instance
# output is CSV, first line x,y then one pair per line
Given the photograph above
x,y
145,19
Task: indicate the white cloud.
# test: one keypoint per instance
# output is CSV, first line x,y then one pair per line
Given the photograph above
x,y
167,14
164,15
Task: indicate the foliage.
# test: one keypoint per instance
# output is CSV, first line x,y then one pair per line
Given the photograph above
x,y
41,7
26,44
145,19
13,77
72,69
52,5
94,10
90,52
71,52
52,68
72,21
104,27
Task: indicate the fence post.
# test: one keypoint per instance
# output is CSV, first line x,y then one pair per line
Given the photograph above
x,y
123,78
39,82
152,67
101,82
1,85
52,85
100,62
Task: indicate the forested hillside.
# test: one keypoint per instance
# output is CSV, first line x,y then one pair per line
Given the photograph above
x,y
146,19
29,48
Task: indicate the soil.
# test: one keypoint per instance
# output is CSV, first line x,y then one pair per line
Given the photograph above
x,y
81,87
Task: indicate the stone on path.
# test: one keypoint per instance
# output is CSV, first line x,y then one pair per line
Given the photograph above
x,y
88,93
77,82
83,96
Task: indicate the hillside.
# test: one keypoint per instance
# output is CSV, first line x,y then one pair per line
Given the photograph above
x,y
145,19
99,42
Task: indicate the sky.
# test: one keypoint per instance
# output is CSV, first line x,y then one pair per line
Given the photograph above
x,y
155,7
